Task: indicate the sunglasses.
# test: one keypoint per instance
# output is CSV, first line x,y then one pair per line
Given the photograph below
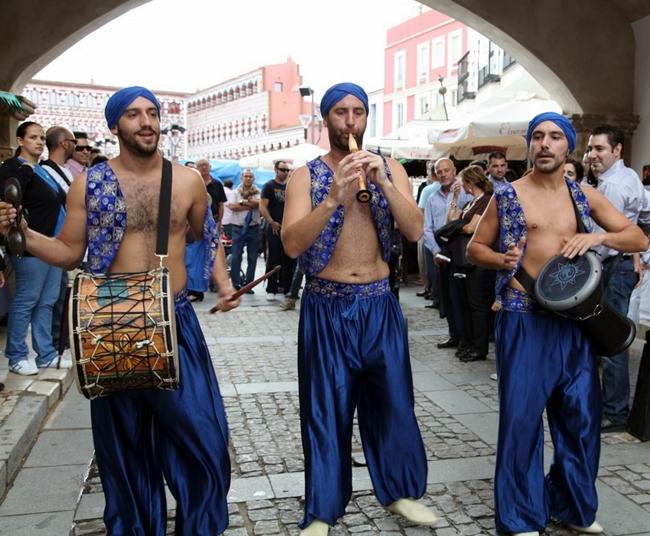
x,y
13,194
80,148
284,169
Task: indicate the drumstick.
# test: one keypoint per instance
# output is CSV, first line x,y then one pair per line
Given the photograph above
x,y
363,195
249,286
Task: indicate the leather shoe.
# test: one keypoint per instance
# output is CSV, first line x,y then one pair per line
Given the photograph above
x,y
462,352
609,427
473,355
448,343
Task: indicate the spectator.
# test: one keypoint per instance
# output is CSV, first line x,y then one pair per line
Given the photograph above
x,y
477,287
81,157
245,229
623,188
214,188
272,210
431,284
37,283
497,168
573,169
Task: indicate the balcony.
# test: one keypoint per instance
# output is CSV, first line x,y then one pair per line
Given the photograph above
x,y
463,68
486,75
508,60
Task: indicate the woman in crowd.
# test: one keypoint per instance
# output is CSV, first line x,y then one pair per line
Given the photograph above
x,y
573,169
37,283
477,287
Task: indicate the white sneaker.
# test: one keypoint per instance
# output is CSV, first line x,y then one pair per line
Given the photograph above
x,y
494,376
24,368
270,297
594,528
66,362
532,533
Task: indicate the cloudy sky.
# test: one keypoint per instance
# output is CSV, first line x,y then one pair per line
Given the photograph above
x,y
165,46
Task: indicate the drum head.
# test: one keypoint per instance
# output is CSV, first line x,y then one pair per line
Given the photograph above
x,y
564,283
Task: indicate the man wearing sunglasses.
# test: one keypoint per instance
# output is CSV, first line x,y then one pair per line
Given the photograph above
x,y
272,210
80,159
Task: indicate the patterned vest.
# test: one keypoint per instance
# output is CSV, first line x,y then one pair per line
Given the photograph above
x,y
314,259
106,221
512,223
106,218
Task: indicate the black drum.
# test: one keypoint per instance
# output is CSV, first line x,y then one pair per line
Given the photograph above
x,y
573,288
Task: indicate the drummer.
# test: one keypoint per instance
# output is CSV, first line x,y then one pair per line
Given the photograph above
x,y
544,360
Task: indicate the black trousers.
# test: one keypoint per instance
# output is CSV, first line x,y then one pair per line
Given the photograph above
x,y
276,257
476,298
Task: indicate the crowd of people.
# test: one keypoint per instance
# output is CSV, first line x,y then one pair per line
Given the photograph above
x,y
481,236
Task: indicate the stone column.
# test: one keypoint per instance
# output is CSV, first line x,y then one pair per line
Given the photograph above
x,y
585,123
7,136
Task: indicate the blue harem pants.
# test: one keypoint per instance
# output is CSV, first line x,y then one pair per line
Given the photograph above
x,y
353,353
140,436
545,362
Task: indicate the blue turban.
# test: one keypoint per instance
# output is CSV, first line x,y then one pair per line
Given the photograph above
x,y
560,121
338,92
122,99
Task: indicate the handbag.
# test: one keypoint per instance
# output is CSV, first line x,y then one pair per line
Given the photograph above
x,y
123,332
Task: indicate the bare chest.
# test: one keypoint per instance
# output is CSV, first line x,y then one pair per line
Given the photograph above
x,y
142,204
549,216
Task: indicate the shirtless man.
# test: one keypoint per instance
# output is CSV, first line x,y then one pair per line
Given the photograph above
x,y
544,361
352,344
142,435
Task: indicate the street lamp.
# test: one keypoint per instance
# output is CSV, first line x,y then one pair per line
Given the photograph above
x,y
306,91
174,134
442,90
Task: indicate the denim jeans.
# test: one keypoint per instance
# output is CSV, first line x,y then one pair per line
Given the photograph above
x,y
616,379
252,243
37,288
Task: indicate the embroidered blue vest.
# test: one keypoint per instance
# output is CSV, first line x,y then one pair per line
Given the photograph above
x,y
314,259
106,221
106,218
512,224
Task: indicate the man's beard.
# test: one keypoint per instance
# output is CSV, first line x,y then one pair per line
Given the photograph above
x,y
549,166
132,144
337,141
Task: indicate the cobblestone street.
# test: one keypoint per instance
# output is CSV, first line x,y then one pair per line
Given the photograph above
x,y
254,354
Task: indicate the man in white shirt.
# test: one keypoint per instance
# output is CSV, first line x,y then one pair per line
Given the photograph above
x,y
497,169
622,187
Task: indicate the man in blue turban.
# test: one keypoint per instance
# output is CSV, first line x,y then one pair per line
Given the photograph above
x,y
352,343
146,437
545,361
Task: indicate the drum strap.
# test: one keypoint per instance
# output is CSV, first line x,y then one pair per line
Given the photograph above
x,y
164,209
524,278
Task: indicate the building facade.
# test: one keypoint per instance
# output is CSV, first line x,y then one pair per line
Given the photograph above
x,y
252,113
80,108
435,67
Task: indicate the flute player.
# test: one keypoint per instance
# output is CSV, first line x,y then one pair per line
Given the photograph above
x,y
352,343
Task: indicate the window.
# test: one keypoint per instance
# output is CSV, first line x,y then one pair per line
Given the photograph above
x,y
423,106
399,114
438,52
400,70
455,46
423,63
277,87
372,118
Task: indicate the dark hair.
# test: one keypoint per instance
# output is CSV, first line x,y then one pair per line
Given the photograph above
x,y
481,163
98,160
22,130
496,155
96,151
476,177
78,135
227,183
614,135
577,165
53,137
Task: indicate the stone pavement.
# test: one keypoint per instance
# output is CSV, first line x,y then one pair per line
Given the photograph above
x,y
254,353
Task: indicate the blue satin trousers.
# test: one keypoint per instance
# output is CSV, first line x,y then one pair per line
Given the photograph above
x,y
353,353
545,362
141,436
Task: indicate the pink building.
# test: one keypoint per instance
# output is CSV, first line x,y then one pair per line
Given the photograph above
x,y
255,112
419,52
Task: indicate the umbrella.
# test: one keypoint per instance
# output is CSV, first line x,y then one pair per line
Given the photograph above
x,y
297,155
498,128
409,142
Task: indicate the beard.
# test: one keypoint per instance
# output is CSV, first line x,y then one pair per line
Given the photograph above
x,y
551,164
135,145
339,140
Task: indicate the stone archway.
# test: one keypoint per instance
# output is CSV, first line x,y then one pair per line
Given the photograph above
x,y
582,51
